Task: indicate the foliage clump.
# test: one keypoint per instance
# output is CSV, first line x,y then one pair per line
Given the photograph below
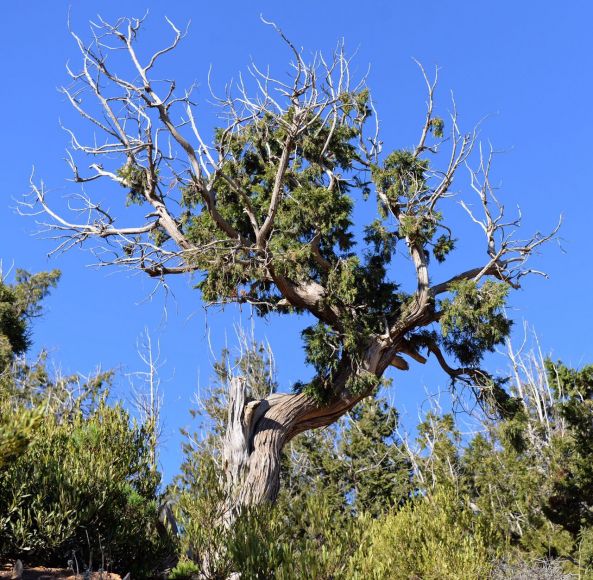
x,y
432,537
19,305
473,321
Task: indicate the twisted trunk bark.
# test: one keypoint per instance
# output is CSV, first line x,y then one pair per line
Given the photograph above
x,y
257,431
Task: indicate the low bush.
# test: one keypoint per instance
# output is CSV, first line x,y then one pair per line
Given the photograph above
x,y
83,489
434,538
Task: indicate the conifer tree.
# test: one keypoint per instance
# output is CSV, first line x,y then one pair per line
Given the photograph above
x,y
271,209
19,304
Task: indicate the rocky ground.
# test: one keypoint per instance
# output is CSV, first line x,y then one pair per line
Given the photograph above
x,y
41,573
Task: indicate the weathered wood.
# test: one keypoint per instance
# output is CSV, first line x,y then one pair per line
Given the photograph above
x,y
257,431
17,570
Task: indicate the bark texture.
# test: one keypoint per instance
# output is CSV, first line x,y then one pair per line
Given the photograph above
x,y
257,431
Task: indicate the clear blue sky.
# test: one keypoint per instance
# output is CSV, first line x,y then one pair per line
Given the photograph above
x,y
528,66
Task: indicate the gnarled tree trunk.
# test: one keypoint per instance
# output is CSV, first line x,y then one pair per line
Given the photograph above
x,y
257,431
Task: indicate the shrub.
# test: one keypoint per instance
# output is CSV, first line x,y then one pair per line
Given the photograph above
x,y
305,539
310,539
16,432
434,538
184,570
83,488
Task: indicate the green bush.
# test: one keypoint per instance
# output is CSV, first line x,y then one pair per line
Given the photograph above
x,y
184,570
305,539
585,553
83,489
16,432
310,539
199,500
77,478
433,538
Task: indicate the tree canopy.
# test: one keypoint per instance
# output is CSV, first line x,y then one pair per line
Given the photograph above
x,y
274,209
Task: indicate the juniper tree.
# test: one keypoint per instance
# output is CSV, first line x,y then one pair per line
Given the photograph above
x,y
19,304
267,211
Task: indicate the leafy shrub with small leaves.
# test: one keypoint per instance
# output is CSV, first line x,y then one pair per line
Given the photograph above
x,y
199,510
16,432
435,537
309,539
83,486
184,570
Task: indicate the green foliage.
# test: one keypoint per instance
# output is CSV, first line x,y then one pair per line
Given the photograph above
x,y
571,496
184,570
294,540
307,540
585,552
16,431
403,180
359,465
19,304
134,178
442,247
312,208
362,383
434,537
84,485
374,471
530,474
439,450
402,175
199,508
437,126
76,477
322,350
509,488
473,321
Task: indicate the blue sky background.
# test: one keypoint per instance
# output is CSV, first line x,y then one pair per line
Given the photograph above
x,y
526,66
